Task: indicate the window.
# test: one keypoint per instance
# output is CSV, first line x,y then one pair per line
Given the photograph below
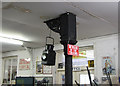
x,y
86,53
84,79
10,70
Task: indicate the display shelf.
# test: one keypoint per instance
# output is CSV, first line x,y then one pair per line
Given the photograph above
x,y
63,69
82,68
43,75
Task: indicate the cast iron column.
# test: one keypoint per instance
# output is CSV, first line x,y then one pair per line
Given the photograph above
x,y
68,68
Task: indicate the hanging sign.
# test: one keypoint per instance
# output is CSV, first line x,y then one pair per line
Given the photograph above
x,y
73,50
24,64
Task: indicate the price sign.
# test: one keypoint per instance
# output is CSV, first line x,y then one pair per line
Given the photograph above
x,y
73,50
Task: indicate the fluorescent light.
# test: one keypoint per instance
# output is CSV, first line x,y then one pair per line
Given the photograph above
x,y
13,36
11,41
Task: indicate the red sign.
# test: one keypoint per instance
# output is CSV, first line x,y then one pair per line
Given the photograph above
x,y
24,64
73,50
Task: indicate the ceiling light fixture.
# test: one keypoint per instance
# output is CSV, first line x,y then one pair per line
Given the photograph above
x,y
11,41
15,37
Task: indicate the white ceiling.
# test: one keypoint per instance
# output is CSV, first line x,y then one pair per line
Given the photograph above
x,y
31,28
61,1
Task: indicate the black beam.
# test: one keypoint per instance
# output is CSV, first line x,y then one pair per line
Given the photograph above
x,y
68,68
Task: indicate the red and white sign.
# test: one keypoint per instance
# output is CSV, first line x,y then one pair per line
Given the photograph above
x,y
73,50
24,64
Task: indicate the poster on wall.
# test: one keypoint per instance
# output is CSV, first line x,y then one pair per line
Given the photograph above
x,y
108,66
47,69
90,63
39,67
24,64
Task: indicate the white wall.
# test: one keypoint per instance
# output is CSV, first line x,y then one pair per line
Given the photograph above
x,y
106,47
103,46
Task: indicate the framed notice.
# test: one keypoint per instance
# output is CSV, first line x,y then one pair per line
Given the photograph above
x,y
39,67
47,69
90,63
24,64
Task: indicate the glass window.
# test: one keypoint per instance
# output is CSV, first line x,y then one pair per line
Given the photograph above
x,y
86,53
10,70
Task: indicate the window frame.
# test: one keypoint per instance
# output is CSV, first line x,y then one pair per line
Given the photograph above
x,y
3,67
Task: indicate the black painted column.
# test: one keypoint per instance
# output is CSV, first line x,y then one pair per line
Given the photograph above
x,y
68,68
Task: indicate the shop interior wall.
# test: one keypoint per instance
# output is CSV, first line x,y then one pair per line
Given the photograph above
x,y
61,72
106,47
103,46
21,54
37,57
